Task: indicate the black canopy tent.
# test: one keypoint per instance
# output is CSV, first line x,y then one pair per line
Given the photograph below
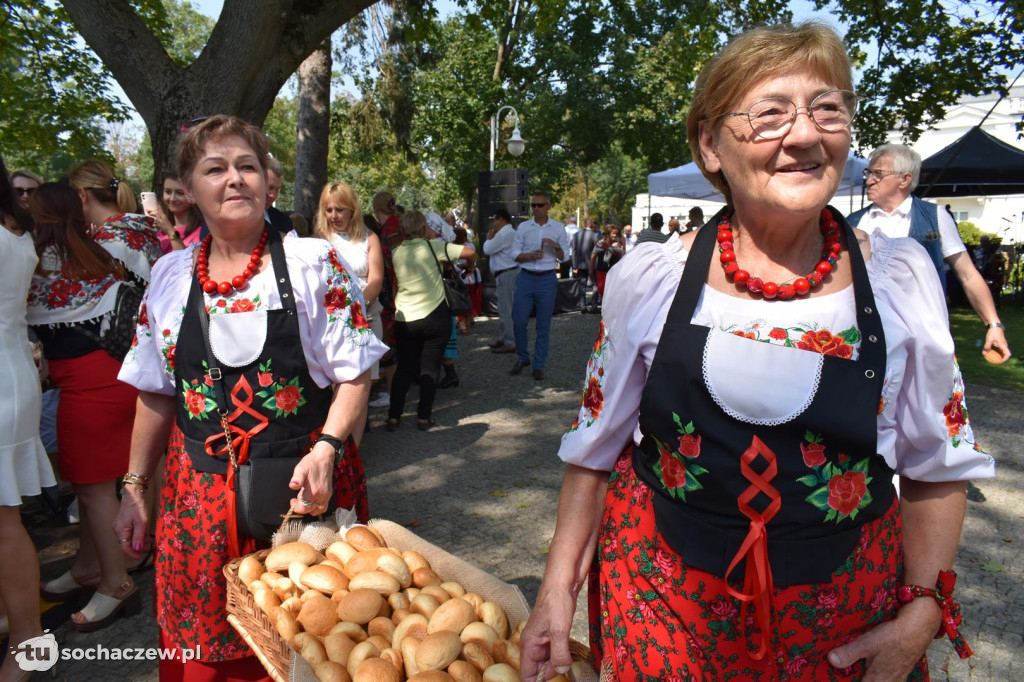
x,y
975,165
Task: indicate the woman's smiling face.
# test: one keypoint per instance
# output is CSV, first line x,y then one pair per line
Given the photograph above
x,y
796,173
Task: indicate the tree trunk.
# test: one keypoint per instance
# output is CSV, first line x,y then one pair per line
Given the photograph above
x,y
506,39
312,129
254,48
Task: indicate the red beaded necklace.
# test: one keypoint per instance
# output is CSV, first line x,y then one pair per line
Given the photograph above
x,y
225,288
799,286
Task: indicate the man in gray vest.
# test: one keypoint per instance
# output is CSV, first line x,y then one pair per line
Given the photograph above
x,y
892,174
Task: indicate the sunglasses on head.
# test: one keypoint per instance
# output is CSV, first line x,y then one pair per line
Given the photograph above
x,y
188,125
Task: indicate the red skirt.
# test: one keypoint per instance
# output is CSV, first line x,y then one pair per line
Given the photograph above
x,y
190,590
600,276
476,296
95,416
656,618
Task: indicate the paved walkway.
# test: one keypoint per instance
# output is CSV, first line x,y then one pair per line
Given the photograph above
x,y
484,485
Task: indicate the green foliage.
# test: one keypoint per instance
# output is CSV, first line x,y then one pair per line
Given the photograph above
x,y
54,94
968,331
969,233
187,32
280,129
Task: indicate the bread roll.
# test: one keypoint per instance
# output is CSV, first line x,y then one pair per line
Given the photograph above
x,y
310,594
453,615
494,615
414,560
318,615
408,648
395,566
475,599
336,565
341,552
424,604
395,657
292,605
329,671
295,571
381,643
338,646
353,631
377,670
501,672
425,576
360,606
383,627
362,538
461,671
250,569
286,626
271,578
285,588
360,653
280,557
477,655
517,632
267,601
411,592
413,626
479,633
310,648
431,676
454,589
363,561
380,581
398,615
324,578
436,592
399,600
505,651
438,650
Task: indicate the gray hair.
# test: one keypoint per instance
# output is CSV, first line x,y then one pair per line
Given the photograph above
x,y
904,161
274,166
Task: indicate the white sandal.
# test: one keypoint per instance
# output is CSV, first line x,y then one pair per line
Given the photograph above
x,y
102,609
65,587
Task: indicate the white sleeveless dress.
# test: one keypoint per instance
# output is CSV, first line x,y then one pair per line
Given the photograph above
x,y
24,467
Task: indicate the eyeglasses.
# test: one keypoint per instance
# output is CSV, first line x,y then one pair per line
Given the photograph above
x,y
879,174
24,191
538,205
773,117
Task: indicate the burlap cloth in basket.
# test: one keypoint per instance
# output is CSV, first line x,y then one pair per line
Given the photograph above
x,y
448,567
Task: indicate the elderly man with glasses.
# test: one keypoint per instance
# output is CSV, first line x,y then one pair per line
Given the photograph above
x,y
892,174
539,247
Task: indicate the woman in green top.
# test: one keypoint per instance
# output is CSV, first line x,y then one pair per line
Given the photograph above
x,y
423,322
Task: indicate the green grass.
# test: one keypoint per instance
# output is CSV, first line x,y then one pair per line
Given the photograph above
x,y
968,330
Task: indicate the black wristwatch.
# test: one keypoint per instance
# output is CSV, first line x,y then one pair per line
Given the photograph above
x,y
336,443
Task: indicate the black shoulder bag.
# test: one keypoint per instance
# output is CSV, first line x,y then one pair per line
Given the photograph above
x,y
455,291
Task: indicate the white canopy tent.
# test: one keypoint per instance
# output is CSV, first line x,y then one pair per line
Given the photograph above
x,y
689,183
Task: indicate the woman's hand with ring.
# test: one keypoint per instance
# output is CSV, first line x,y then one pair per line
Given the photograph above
x,y
313,478
131,527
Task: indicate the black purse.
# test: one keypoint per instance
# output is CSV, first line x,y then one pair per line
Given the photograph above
x,y
262,495
117,328
455,291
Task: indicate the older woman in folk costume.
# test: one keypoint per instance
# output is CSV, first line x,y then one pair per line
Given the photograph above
x,y
730,472
286,326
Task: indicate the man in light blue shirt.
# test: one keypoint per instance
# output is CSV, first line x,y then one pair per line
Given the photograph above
x,y
503,266
539,247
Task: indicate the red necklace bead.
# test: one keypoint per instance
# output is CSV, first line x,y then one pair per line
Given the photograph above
x,y
801,286
225,288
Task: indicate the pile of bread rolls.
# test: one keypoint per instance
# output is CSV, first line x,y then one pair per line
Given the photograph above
x,y
366,612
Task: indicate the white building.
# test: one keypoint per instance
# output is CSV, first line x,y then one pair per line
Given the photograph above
x,y
1002,215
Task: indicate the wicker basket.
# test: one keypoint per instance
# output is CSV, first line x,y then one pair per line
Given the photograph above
x,y
254,625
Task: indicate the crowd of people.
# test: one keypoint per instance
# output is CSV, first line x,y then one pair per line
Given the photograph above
x,y
692,493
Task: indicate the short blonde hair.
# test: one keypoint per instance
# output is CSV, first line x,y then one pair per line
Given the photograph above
x,y
346,197
414,224
755,56
98,179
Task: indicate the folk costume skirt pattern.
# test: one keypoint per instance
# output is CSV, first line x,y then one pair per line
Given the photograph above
x,y
655,618
191,550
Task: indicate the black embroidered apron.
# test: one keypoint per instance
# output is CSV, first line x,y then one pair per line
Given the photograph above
x,y
275,407
739,492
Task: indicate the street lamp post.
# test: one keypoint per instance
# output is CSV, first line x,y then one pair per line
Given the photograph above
x,y
516,144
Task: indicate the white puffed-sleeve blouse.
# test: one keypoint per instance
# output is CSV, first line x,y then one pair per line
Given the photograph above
x,y
923,429
336,338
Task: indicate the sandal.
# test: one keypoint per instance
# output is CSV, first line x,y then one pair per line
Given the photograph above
x,y
67,587
103,609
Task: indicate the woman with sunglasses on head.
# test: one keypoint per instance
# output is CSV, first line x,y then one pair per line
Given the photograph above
x,y
177,218
73,298
250,347
731,468
24,467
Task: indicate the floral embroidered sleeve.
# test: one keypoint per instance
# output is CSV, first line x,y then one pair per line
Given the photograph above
x,y
336,335
923,402
633,314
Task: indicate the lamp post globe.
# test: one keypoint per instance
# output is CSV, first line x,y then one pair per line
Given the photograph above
x,y
515,143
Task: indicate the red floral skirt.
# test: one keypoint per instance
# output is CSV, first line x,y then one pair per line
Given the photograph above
x,y
657,619
191,549
94,418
